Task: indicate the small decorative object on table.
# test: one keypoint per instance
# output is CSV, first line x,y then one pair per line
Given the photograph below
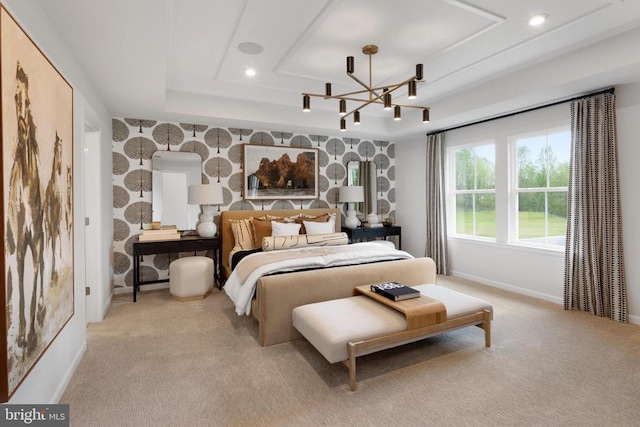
x,y
395,291
370,225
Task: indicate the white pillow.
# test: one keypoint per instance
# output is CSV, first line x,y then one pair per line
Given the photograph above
x,y
284,229
319,227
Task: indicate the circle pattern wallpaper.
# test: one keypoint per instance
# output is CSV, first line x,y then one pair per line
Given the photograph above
x,y
135,141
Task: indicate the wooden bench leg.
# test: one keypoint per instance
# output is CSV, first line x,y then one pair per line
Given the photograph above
x,y
351,363
487,328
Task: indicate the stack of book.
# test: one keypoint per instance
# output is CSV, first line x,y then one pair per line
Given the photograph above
x,y
166,232
395,291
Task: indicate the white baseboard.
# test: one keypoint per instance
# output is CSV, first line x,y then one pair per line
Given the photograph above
x,y
71,369
631,319
510,288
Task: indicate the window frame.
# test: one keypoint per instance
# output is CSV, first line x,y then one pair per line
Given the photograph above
x,y
515,190
453,192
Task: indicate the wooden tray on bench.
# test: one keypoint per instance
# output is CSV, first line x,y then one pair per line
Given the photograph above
x,y
420,312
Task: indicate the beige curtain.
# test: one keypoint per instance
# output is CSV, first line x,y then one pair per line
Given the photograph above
x,y
594,266
436,244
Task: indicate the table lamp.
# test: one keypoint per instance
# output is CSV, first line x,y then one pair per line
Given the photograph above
x,y
206,195
351,195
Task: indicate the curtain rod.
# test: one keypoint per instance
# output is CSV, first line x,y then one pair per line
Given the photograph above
x,y
527,110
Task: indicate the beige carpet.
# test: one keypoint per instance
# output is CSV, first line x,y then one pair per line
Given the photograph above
x,y
160,362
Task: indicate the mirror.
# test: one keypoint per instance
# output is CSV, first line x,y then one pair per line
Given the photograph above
x,y
364,174
173,172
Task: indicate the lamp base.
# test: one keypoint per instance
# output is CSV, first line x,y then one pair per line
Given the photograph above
x,y
351,221
206,227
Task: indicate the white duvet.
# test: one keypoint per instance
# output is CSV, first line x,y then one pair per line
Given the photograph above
x,y
241,285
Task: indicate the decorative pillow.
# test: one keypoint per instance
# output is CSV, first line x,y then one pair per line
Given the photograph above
x,y
284,229
273,243
261,229
301,218
242,234
315,227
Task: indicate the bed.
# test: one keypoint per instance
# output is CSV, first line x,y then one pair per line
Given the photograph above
x,y
276,295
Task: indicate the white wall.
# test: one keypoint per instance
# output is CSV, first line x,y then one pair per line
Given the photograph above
x,y
49,377
529,271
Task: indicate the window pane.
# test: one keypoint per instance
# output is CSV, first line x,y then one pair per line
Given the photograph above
x,y
486,215
559,150
532,162
464,214
557,217
531,216
485,167
465,169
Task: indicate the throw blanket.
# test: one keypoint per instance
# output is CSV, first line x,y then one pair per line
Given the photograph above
x,y
241,284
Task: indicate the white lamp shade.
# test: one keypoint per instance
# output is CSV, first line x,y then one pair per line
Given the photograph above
x,y
351,194
205,194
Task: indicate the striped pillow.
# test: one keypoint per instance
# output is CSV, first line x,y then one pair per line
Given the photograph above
x,y
242,234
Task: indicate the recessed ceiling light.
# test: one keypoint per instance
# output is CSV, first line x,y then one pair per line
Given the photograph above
x,y
538,19
250,72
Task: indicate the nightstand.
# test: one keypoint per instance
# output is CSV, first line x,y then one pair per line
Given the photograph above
x,y
364,233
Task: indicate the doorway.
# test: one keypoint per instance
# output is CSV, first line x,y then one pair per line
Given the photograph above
x,y
91,145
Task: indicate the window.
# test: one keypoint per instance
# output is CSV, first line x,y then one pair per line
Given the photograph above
x,y
541,179
474,179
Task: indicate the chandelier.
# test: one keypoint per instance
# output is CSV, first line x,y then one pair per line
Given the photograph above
x,y
370,95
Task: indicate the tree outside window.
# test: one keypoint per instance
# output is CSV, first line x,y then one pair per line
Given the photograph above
x,y
475,201
542,177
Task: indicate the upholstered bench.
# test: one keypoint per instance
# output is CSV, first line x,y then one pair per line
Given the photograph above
x,y
343,329
191,278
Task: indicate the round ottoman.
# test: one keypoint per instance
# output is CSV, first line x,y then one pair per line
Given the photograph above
x,y
191,278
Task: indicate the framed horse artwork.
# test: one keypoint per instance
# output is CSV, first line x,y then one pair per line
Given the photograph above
x,y
37,292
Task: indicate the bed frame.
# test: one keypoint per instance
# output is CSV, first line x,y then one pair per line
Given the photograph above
x,y
277,295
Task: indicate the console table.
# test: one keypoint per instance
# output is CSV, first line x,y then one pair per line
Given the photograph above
x,y
184,244
363,233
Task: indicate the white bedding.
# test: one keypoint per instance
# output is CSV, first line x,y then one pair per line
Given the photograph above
x,y
241,292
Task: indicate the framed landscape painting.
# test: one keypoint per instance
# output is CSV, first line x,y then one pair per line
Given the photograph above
x,y
36,295
272,172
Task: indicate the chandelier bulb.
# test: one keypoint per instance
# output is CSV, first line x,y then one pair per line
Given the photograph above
x,y
412,87
327,89
350,64
306,103
387,99
397,113
343,107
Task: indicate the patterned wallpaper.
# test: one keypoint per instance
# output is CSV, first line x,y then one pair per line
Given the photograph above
x,y
135,141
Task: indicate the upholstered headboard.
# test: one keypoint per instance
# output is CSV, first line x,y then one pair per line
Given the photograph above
x,y
227,234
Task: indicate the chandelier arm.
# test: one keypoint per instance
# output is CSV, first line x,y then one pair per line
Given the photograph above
x,y
346,94
409,106
363,84
338,96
